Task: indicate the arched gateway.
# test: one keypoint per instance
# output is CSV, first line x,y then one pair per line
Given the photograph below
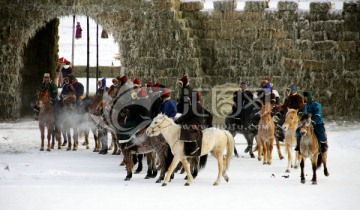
x,y
162,39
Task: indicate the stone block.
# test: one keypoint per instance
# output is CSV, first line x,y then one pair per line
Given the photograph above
x,y
318,36
285,44
287,6
291,64
352,65
303,44
323,45
333,25
317,7
262,44
312,65
250,34
224,6
351,26
333,35
349,46
351,7
350,36
307,54
317,26
294,54
255,6
249,15
192,6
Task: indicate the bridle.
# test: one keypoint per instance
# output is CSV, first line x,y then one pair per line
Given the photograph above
x,y
159,126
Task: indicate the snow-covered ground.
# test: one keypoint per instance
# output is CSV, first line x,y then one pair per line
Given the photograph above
x,y
60,179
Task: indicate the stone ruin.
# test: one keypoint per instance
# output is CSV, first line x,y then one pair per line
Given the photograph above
x,y
160,40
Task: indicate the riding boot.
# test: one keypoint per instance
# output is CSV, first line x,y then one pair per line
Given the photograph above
x,y
323,147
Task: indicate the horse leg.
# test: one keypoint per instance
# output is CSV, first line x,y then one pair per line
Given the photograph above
x,y
49,136
128,159
58,136
288,150
250,140
259,148
116,145
42,135
314,167
219,157
63,131
76,139
153,164
104,141
190,178
171,168
278,149
265,152
324,160
86,134
140,165
270,149
194,167
68,138
52,137
96,139
302,164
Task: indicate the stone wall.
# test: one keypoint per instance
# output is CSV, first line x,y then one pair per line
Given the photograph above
x,y
162,39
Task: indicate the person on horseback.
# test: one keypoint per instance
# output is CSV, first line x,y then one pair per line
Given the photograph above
x,y
102,86
314,109
185,94
72,85
168,106
293,101
138,116
192,122
52,88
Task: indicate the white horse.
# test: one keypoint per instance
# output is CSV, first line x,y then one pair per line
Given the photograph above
x,y
214,141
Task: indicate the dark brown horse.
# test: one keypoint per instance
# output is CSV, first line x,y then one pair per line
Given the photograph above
x,y
46,118
309,148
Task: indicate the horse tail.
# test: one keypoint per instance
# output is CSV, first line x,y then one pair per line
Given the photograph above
x,y
229,149
202,162
319,161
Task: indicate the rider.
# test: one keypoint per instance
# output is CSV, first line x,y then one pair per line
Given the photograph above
x,y
102,86
72,85
168,106
314,109
184,100
52,89
293,101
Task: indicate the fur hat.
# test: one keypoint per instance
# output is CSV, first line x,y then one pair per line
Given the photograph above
x,y
63,60
72,78
103,82
184,81
47,75
243,84
166,93
136,82
115,81
308,94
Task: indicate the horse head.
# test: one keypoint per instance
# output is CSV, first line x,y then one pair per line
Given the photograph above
x,y
305,123
43,97
291,119
69,100
156,125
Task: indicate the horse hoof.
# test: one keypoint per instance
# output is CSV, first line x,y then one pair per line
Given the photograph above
x,y
41,149
158,181
287,171
147,177
127,179
281,158
87,147
187,184
136,172
74,149
84,143
252,155
49,150
295,167
216,184
326,173
303,181
314,182
226,179
269,163
164,184
52,147
68,149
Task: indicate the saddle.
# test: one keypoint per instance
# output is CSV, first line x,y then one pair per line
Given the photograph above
x,y
192,141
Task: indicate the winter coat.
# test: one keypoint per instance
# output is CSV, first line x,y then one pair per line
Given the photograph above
x,y
193,119
185,99
52,88
294,101
76,87
315,109
78,32
66,71
168,107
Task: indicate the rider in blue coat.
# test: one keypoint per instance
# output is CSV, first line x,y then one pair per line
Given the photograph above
x,y
168,106
314,109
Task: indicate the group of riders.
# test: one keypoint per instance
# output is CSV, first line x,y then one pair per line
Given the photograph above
x,y
145,102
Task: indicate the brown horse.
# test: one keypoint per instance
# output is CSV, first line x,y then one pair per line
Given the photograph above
x,y
266,134
309,148
46,118
289,127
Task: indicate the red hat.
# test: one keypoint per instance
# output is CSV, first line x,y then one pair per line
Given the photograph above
x,y
143,92
63,60
184,81
166,93
136,82
150,84
198,96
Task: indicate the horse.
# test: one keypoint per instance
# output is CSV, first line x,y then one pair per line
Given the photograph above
x,y
87,107
309,148
214,141
289,127
266,134
46,118
70,120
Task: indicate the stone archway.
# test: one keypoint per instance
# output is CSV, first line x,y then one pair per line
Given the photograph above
x,y
151,40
